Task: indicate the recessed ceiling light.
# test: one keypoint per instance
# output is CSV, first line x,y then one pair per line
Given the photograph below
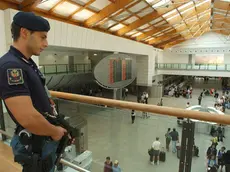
x,y
95,54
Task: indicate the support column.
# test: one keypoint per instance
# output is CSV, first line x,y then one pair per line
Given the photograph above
x,y
157,89
71,64
187,143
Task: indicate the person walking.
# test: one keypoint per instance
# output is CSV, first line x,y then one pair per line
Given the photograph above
x,y
108,165
133,115
168,138
199,99
175,139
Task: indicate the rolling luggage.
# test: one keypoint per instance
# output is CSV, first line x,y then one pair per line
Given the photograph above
x,y
162,156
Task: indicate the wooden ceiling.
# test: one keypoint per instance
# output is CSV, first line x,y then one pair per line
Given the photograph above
x,y
160,23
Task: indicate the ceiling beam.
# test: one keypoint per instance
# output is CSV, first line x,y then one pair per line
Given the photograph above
x,y
107,11
173,43
146,19
7,4
163,37
52,9
80,9
168,41
28,5
157,29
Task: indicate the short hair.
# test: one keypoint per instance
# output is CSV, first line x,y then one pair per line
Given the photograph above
x,y
174,129
108,158
15,31
169,129
157,138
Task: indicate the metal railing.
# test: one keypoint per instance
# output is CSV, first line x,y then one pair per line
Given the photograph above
x,y
65,68
168,111
184,66
62,161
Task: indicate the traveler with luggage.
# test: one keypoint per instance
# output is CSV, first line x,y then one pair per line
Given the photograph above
x,y
156,150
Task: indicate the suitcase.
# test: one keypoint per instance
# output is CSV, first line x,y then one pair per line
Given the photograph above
x,y
162,156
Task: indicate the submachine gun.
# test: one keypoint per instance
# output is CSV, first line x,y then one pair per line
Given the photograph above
x,y
72,132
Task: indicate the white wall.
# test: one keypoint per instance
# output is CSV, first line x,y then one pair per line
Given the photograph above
x,y
53,59
67,35
168,57
2,34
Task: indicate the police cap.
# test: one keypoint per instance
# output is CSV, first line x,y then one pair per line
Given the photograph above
x,y
31,22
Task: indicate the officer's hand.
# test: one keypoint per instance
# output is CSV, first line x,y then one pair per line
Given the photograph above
x,y
60,132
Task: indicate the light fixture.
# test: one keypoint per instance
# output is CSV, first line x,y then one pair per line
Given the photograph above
x,y
95,54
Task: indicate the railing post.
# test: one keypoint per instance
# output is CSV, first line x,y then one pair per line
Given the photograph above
x,y
44,69
2,121
187,143
84,67
56,68
66,66
76,67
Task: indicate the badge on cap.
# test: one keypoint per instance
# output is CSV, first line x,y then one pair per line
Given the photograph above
x,y
15,76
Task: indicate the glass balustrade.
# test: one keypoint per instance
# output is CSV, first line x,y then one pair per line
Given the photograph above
x,y
183,66
107,131
65,68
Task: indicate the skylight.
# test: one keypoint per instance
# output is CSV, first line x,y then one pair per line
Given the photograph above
x,y
199,4
170,18
83,15
185,5
117,27
170,12
137,34
187,10
161,3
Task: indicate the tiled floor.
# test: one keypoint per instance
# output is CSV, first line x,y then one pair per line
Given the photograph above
x,y
112,134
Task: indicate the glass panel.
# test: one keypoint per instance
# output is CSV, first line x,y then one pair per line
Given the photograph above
x,y
221,67
62,68
50,69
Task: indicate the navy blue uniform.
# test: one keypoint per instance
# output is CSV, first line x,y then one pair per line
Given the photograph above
x,y
22,77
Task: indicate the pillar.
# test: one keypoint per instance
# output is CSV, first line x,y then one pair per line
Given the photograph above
x,y
71,64
157,89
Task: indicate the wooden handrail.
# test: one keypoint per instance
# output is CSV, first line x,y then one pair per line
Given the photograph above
x,y
168,111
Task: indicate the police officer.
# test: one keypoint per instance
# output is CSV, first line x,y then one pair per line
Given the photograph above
x,y
22,89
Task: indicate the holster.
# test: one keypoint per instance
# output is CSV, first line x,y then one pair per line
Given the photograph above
x,y
34,163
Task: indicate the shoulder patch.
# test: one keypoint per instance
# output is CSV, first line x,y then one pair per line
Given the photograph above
x,y
15,76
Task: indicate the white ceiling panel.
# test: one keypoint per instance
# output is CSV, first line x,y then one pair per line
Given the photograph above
x,y
66,9
145,12
131,3
136,34
82,2
47,5
100,4
131,20
138,7
122,16
108,24
144,26
131,32
156,20
117,27
83,15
